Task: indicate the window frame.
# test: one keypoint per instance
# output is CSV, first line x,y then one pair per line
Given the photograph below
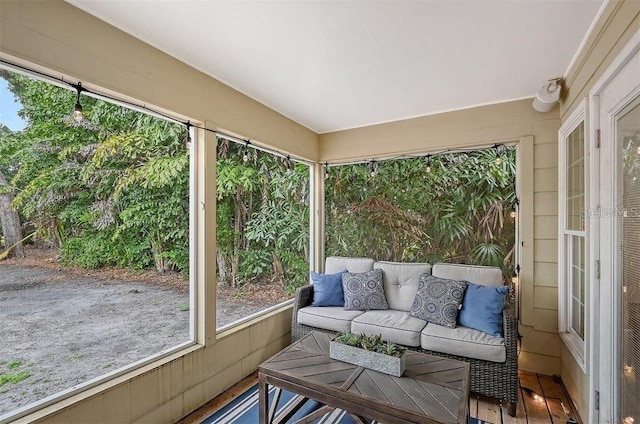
x,y
108,380
577,346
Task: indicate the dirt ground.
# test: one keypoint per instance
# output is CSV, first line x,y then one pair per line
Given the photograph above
x,y
60,327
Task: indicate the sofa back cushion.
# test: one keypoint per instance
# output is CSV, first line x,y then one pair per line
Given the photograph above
x,y
477,274
335,264
401,282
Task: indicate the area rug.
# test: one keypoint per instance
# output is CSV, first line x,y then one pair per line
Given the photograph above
x,y
244,410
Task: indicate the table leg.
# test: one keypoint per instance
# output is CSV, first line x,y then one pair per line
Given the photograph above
x,y
274,403
263,396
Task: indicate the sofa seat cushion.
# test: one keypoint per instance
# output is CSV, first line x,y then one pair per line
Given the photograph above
x,y
463,341
394,326
333,318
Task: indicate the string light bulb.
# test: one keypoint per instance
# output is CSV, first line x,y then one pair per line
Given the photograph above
x,y
514,207
245,154
288,165
498,154
373,168
326,170
629,420
428,160
187,140
77,109
514,279
638,150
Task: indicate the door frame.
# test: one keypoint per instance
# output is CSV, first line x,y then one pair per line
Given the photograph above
x,y
602,381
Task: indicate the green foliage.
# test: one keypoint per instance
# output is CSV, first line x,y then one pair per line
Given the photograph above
x,y
262,219
113,190
458,212
371,343
13,378
13,364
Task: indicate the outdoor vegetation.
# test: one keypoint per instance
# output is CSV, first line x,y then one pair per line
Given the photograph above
x,y
453,207
262,218
371,343
110,190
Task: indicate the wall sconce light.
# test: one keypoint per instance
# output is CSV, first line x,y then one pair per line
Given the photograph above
x,y
547,97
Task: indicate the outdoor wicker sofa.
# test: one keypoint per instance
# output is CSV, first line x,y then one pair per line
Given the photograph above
x,y
495,374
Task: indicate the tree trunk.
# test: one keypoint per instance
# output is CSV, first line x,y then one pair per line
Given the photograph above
x,y
11,228
278,269
222,266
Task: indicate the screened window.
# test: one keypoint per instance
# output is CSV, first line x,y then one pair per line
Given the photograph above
x,y
262,231
100,204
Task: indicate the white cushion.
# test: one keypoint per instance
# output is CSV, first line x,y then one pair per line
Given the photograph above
x,y
477,274
333,318
401,282
394,326
463,341
335,264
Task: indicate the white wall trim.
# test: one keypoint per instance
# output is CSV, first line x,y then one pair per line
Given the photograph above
x,y
626,54
583,43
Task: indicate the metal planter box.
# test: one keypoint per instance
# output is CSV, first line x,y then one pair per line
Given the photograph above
x,y
391,365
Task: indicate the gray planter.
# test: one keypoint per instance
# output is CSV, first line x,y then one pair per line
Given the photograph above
x,y
391,365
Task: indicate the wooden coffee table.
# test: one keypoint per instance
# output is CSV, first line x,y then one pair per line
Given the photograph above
x,y
432,389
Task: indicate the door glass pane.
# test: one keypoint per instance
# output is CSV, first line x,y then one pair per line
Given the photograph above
x,y
628,138
575,179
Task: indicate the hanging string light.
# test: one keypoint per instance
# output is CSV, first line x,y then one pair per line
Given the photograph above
x,y
427,160
498,154
77,109
326,170
245,153
288,164
514,208
373,168
187,140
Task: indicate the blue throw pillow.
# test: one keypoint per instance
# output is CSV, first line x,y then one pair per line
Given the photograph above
x,y
482,308
327,289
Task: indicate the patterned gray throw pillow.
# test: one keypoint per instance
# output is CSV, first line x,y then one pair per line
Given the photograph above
x,y
438,300
364,291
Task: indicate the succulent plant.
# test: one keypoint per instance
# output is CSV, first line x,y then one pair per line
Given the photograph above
x,y
371,343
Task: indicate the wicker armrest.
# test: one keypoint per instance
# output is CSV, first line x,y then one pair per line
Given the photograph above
x,y
304,297
510,328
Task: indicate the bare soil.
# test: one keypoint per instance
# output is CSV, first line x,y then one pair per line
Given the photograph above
x,y
60,327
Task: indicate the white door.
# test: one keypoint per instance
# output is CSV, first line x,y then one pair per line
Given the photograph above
x,y
619,316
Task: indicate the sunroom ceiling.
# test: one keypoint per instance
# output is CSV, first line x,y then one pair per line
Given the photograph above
x,y
332,65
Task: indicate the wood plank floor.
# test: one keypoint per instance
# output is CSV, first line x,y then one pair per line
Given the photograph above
x,y
542,399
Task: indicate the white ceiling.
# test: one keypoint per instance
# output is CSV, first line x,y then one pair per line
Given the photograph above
x,y
332,65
